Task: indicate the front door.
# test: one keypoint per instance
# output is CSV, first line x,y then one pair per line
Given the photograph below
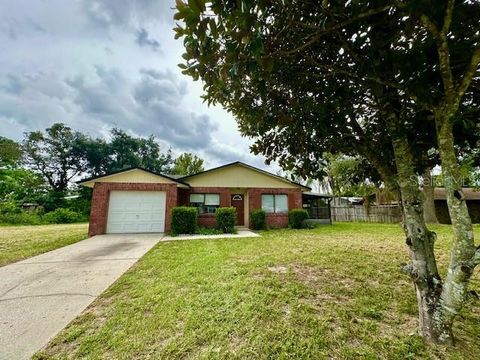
x,y
237,202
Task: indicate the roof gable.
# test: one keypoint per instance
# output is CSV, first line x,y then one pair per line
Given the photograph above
x,y
239,175
134,175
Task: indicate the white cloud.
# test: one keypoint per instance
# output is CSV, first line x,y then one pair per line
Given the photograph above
x,y
90,64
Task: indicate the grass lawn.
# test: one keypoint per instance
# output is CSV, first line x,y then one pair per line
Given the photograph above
x,y
328,293
21,242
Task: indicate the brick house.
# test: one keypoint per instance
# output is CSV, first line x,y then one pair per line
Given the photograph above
x,y
137,200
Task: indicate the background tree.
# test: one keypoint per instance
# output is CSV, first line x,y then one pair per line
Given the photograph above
x,y
187,164
55,155
305,78
124,151
10,152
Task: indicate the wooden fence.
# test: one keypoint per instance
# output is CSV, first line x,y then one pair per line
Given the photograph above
x,y
375,213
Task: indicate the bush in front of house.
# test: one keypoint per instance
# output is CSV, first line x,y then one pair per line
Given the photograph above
x,y
226,219
257,219
184,220
297,217
63,216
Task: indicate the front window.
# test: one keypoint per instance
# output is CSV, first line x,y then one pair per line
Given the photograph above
x,y
205,203
275,203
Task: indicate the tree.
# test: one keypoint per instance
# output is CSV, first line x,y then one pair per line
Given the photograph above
x,y
126,151
187,164
429,211
21,186
10,152
305,78
55,155
351,176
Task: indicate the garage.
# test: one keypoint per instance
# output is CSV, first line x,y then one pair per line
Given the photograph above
x,y
136,212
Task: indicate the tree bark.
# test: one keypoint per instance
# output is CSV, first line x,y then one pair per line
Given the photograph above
x,y
463,253
423,267
429,212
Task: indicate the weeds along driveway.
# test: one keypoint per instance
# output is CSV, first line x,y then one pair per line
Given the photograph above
x,y
41,295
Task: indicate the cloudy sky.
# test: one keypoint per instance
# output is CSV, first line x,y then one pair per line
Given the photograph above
x,y
98,64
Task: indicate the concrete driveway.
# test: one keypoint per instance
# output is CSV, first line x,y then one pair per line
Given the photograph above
x,y
41,295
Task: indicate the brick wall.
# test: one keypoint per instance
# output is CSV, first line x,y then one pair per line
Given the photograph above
x,y
180,196
101,194
208,220
275,220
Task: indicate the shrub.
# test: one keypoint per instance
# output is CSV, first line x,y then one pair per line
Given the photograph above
x,y
63,216
226,219
9,207
296,218
257,219
184,220
21,218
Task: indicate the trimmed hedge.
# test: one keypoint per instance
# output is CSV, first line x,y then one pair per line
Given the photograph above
x,y
257,219
184,220
296,218
226,219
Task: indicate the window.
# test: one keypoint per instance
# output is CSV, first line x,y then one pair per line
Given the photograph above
x,y
275,203
205,203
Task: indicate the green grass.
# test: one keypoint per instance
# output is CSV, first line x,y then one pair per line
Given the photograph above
x,y
334,292
21,242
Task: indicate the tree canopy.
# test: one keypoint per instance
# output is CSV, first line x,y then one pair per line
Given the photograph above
x,y
389,81
187,164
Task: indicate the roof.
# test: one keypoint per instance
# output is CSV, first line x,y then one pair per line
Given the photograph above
x,y
170,177
249,167
469,193
312,194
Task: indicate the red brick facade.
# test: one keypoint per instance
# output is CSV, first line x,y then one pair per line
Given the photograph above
x,y
208,220
101,194
180,196
275,220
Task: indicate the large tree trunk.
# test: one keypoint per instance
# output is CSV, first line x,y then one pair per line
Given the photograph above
x,y
464,256
429,212
422,268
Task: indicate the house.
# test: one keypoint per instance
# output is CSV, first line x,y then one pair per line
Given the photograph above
x,y
472,198
137,200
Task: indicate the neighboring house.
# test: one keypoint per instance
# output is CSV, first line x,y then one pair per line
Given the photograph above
x,y
136,200
472,198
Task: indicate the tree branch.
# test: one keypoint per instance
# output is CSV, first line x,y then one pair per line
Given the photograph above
x,y
447,20
443,52
316,36
469,73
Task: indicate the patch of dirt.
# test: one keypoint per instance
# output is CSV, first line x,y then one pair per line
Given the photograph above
x,y
279,269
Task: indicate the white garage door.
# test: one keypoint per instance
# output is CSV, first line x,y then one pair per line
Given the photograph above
x,y
136,212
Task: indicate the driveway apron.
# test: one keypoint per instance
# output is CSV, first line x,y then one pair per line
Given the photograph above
x,y
39,296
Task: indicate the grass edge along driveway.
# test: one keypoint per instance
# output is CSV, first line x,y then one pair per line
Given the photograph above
x,y
333,292
22,242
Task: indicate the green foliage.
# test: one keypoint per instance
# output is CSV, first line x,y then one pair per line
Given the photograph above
x,y
187,164
226,219
55,155
296,218
257,219
63,216
125,151
21,218
10,152
184,220
9,207
21,186
351,175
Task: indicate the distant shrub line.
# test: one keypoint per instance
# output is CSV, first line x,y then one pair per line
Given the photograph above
x,y
10,214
